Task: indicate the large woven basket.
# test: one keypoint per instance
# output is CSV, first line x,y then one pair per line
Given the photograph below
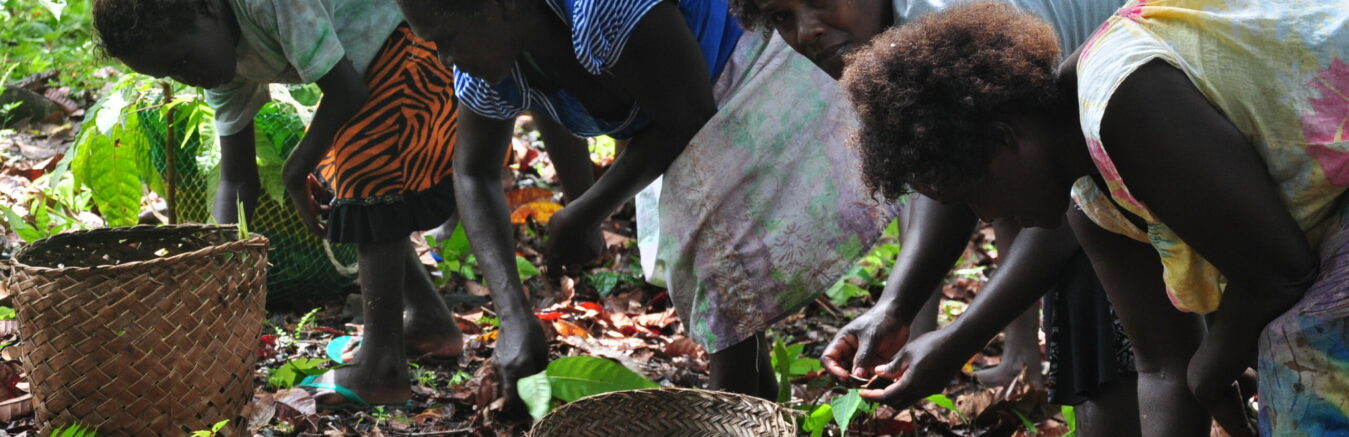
x,y
141,331
667,412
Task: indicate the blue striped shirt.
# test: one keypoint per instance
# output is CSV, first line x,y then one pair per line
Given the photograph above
x,y
599,32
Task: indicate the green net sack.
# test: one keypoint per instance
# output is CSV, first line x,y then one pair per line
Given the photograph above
x,y
303,266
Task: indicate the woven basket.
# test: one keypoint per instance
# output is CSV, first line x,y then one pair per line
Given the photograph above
x,y
668,412
141,331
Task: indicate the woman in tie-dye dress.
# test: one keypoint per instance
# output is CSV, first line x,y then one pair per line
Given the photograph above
x,y
1209,134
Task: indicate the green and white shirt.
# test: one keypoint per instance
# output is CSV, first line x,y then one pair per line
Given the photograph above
x,y
296,41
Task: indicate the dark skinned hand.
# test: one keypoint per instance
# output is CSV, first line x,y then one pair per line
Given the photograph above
x,y
571,244
922,368
305,193
520,351
869,340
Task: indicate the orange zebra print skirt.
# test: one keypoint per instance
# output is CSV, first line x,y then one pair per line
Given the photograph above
x,y
389,168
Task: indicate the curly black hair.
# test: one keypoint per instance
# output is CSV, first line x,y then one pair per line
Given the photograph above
x,y
125,26
750,17
928,93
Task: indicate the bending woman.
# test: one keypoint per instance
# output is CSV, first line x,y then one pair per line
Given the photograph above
x,y
1233,178
632,69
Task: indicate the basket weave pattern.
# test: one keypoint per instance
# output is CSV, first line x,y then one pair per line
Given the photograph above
x,y
141,331
667,412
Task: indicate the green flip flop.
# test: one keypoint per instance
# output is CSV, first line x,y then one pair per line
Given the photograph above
x,y
353,400
340,344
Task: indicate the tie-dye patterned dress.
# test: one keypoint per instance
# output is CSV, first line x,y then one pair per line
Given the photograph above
x,y
1277,70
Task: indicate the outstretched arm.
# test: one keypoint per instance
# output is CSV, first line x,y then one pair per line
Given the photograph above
x,y
343,95
933,240
1028,270
664,71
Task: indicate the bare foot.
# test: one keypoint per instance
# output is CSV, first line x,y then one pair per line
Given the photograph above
x,y
432,338
437,343
376,384
1007,371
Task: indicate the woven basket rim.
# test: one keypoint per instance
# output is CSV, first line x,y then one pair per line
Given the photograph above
x,y
17,264
782,412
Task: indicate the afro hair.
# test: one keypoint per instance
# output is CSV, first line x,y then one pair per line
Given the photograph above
x,y
928,93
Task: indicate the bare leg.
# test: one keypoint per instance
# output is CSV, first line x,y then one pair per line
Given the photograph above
x,y
1163,338
238,177
1112,411
1021,339
428,325
378,373
745,368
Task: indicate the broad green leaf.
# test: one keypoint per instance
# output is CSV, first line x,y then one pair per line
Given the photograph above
x,y
270,178
7,313
818,419
219,426
457,246
604,282
573,378
844,291
133,137
17,224
112,178
294,371
845,407
109,112
803,365
537,393
525,268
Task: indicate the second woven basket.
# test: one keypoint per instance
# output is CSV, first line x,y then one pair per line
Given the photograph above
x,y
667,412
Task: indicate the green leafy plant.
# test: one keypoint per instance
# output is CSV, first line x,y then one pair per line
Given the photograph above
x,y
7,313
425,377
846,407
525,268
215,429
296,370
817,420
604,282
52,35
455,256
459,377
788,363
572,378
942,401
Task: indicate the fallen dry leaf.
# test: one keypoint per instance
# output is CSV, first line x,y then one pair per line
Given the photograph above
x,y
658,320
612,239
569,329
522,196
296,406
684,346
261,410
538,211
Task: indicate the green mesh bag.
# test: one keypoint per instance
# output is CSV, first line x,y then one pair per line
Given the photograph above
x,y
303,266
